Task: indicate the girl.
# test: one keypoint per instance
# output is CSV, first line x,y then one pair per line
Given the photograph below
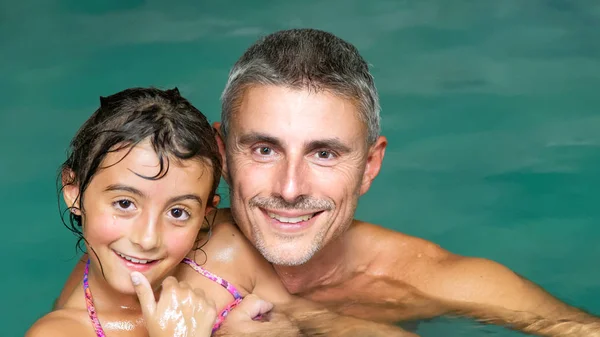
x,y
140,177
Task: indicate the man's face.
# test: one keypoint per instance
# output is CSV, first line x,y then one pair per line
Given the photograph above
x,y
297,162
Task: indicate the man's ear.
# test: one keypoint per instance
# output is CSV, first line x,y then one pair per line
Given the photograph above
x,y
374,161
70,190
221,144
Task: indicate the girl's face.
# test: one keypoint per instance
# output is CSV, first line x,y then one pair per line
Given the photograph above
x,y
139,224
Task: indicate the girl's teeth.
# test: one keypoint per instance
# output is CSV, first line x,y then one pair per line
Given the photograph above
x,y
134,260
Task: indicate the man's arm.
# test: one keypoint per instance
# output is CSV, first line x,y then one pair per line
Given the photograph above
x,y
311,318
491,293
315,320
299,317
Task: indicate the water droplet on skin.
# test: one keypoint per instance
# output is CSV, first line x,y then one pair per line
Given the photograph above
x,y
225,255
119,325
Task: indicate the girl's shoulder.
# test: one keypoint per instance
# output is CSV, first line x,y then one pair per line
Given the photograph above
x,y
61,323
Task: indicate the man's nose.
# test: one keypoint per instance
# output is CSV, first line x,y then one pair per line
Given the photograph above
x,y
292,180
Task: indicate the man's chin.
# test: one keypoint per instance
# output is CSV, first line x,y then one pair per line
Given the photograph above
x,y
288,262
290,257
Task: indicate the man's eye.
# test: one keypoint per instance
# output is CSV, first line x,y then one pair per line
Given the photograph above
x,y
325,154
265,151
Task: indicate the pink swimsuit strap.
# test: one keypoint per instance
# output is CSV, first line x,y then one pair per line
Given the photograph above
x,y
230,288
89,303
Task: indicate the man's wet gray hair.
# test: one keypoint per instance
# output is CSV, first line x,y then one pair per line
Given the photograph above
x,y
304,59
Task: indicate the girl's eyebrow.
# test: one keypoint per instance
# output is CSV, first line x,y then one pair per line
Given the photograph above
x,y
133,190
125,188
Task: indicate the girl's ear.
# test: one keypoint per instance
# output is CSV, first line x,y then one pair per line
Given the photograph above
x,y
212,206
70,191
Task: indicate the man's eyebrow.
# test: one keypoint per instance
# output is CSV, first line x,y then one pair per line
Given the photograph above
x,y
328,143
334,144
256,137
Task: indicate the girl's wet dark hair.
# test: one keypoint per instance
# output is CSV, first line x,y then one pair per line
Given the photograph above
x,y
175,128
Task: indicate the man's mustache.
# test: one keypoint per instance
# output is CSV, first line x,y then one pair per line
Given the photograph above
x,y
301,203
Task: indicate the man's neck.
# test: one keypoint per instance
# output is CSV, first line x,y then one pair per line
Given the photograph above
x,y
326,267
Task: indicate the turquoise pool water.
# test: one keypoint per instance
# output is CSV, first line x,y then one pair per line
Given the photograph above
x,y
491,109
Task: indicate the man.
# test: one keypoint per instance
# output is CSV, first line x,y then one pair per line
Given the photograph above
x,y
299,136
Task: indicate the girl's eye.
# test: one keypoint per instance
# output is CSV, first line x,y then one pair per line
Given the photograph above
x,y
124,204
179,214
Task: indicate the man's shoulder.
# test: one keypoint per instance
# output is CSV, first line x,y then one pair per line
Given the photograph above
x,y
225,227
413,249
227,239
399,245
426,265
62,322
